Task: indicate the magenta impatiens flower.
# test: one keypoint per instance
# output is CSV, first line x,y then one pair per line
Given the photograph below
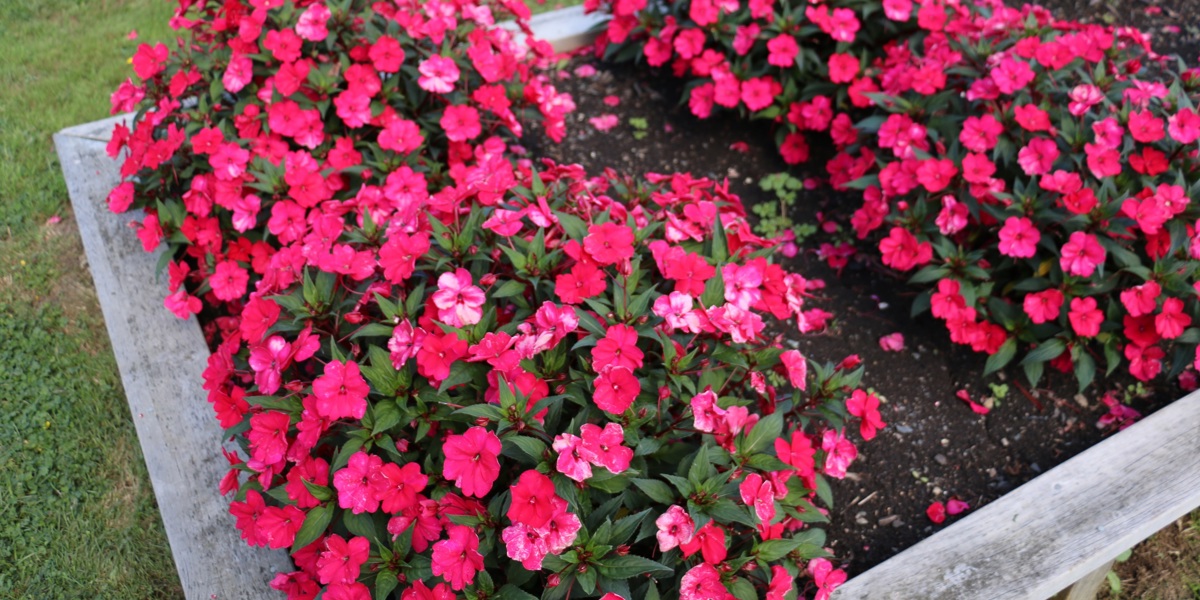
x,y
1085,317
472,461
438,74
866,407
618,347
616,389
839,453
1019,238
674,527
608,243
457,558
532,500
571,461
341,392
702,582
1081,255
605,447
1044,306
797,368
459,301
342,560
353,483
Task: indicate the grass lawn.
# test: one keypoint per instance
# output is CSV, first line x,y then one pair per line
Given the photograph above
x,y
77,513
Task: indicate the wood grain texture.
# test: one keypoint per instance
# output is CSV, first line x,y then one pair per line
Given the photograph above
x,y
1055,530
565,29
161,359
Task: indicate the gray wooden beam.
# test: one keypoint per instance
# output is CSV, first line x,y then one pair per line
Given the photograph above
x,y
161,359
1057,529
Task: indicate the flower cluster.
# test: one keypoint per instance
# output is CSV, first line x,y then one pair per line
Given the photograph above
x,y
1033,169
1041,193
540,393
452,373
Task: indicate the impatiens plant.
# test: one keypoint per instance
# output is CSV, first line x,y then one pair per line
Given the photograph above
x,y
1034,168
554,392
1043,195
452,374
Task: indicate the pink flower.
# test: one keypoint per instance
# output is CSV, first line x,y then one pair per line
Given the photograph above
x,y
892,342
1184,126
1083,98
404,343
402,136
525,544
843,68
706,415
605,447
979,134
781,584
618,348
1145,127
616,389
1085,317
955,506
866,407
702,582
461,123
758,493
183,305
799,454
935,175
438,352
472,461
604,122
341,391
268,360
268,437
609,243
571,457
459,301
843,24
386,54
1142,299
1043,307
397,487
825,576
1019,238
311,25
709,541
1037,157
674,527
902,252
742,284
797,368
953,216
532,499
1081,255
438,75
279,525
457,559
839,453
1171,322
782,51
228,281
353,483
341,561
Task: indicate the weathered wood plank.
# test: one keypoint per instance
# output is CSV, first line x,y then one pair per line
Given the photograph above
x,y
1058,528
161,359
565,29
1088,587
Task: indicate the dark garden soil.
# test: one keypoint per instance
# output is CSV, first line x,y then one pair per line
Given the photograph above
x,y
934,447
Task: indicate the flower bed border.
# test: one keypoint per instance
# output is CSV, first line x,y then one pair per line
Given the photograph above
x,y
1030,543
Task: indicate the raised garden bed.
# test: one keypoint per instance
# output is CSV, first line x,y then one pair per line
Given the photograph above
x,y
933,441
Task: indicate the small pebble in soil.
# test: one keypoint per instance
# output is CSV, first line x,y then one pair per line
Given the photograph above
x,y
904,429
861,518
888,520
941,459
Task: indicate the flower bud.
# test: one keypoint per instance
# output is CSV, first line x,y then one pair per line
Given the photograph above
x,y
488,279
401,445
353,318
553,580
664,392
622,550
481,421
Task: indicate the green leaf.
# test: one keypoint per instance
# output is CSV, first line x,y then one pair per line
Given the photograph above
x,y
385,582
520,447
509,288
656,490
512,592
742,589
1085,369
1047,350
387,415
630,566
765,432
1002,356
315,523
362,524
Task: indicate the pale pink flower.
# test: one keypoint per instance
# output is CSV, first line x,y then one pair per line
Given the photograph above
x,y
675,527
839,453
459,301
605,447
892,342
571,461
797,368
438,74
